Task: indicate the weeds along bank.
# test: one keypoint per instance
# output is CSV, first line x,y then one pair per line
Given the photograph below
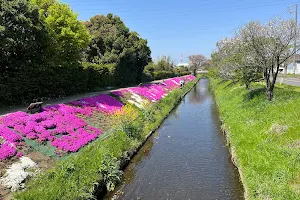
x,y
264,137
84,139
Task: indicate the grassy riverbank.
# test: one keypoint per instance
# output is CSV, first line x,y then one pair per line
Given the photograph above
x,y
78,176
265,138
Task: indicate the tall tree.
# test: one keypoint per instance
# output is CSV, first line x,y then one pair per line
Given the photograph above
x,y
68,35
270,45
113,43
24,42
235,63
22,35
197,60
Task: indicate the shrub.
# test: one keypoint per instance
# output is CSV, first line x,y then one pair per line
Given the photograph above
x,y
184,73
99,75
109,169
147,76
163,75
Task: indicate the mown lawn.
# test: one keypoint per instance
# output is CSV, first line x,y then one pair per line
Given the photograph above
x,y
265,137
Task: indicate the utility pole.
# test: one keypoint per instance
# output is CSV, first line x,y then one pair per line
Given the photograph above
x,y
295,44
295,41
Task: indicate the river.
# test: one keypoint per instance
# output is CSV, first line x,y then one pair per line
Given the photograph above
x,y
186,159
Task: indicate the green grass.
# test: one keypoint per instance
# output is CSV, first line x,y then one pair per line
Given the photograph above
x,y
77,176
268,157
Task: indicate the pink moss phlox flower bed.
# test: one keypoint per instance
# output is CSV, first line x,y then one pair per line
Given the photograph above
x,y
102,102
60,124
9,143
7,150
118,93
76,139
155,91
57,124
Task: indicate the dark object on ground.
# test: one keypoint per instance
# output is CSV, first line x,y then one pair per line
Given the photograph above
x,y
182,84
35,107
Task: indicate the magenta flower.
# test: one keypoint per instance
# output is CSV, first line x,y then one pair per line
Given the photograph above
x,y
7,150
61,125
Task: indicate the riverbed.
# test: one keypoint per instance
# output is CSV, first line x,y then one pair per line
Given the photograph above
x,y
187,158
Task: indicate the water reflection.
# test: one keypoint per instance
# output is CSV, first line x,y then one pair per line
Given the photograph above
x,y
199,94
142,154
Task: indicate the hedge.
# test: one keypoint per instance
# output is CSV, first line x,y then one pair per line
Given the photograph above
x,y
29,82
167,74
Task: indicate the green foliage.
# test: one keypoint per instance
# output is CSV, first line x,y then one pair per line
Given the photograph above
x,y
148,114
163,74
114,43
68,35
164,64
109,169
164,68
40,46
132,129
269,161
23,49
147,76
248,75
233,62
99,75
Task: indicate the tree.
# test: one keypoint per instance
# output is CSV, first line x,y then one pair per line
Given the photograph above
x,y
269,46
164,63
24,41
113,43
196,61
68,35
235,63
23,36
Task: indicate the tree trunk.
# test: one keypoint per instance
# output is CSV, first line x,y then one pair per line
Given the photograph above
x,y
194,72
269,88
270,94
247,86
271,84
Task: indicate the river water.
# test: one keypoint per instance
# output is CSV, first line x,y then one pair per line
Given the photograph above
x,y
186,159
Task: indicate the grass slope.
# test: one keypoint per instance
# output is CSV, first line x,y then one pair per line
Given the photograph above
x,y
78,176
265,137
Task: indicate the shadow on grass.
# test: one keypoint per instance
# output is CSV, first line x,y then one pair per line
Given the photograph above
x,y
221,82
230,84
254,93
280,94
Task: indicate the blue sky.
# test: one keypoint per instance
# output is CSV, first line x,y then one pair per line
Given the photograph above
x,y
185,27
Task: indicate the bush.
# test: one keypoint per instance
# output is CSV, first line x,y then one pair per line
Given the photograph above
x,y
163,75
109,169
184,73
147,76
99,75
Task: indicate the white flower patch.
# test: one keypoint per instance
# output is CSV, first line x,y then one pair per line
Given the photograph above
x,y
175,82
16,174
138,101
136,104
